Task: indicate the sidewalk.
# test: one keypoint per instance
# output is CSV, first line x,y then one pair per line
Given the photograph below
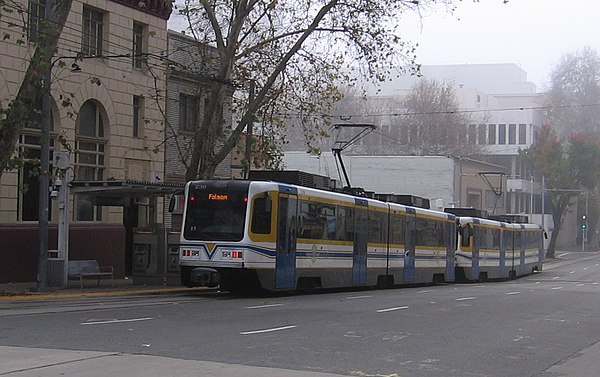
x,y
27,291
35,362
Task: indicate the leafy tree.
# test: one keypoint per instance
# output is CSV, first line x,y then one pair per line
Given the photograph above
x,y
23,111
293,50
569,167
572,108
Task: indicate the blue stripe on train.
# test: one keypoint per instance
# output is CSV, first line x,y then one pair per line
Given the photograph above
x,y
307,254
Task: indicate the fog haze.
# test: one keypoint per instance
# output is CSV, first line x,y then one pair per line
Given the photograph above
x,y
533,34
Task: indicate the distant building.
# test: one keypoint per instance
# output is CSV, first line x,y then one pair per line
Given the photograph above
x,y
503,108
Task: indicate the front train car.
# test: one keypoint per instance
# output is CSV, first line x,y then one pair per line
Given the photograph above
x,y
490,249
214,243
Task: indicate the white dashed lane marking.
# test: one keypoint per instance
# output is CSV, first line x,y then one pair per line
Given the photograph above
x,y
111,321
267,330
392,309
263,306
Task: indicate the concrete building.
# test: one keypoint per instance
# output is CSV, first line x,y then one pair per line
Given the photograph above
x,y
109,66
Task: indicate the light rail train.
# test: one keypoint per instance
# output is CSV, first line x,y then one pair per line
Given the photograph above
x,y
244,235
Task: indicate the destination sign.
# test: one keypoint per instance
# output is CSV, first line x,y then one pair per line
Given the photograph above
x,y
218,197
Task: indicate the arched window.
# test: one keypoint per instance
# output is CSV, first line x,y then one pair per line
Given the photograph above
x,y
90,143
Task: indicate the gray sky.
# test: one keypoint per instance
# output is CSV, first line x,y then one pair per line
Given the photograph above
x,y
533,34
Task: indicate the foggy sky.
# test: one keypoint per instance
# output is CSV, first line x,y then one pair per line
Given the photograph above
x,y
533,34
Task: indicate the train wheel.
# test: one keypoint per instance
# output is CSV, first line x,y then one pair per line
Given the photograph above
x,y
186,277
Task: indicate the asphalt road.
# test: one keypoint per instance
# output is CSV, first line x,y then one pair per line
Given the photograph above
x,y
546,324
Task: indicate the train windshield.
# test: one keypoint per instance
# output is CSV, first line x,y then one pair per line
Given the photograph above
x,y
216,211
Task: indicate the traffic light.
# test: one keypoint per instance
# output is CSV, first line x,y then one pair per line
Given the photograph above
x,y
583,222
583,225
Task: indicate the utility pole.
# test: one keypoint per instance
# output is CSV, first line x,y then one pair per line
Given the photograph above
x,y
42,267
249,132
584,225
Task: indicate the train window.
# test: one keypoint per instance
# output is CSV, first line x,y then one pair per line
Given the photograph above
x,y
452,235
216,213
429,233
317,221
377,227
345,224
327,213
397,229
487,238
261,215
466,233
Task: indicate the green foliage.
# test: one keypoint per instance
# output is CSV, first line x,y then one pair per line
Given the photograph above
x,y
569,167
568,164
549,158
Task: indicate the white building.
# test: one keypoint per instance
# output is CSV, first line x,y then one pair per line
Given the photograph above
x,y
445,181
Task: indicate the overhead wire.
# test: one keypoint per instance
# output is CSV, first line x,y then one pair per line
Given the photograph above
x,y
160,57
348,117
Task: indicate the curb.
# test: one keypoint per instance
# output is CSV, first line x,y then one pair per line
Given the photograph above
x,y
54,295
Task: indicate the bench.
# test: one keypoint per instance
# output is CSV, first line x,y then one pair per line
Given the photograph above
x,y
89,269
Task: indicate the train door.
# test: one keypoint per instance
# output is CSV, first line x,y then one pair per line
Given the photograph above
x,y
502,270
477,235
285,260
359,256
509,239
409,246
451,236
521,241
540,238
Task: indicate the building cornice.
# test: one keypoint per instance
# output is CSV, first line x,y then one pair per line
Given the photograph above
x,y
158,8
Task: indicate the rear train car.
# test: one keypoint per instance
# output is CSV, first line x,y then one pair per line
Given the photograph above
x,y
249,234
489,249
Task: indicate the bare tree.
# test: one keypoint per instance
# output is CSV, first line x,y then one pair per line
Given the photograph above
x,y
293,51
434,124
573,98
23,111
425,121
